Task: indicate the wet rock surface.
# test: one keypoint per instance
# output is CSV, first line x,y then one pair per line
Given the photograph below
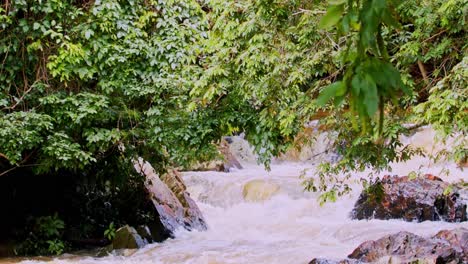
x,y
191,217
408,247
447,246
259,190
172,203
458,240
426,198
215,165
328,261
227,161
229,158
145,233
128,237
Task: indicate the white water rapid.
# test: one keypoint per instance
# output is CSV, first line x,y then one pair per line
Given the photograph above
x,y
277,222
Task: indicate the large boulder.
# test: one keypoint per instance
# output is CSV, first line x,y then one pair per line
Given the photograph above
x,y
447,246
404,247
420,199
172,202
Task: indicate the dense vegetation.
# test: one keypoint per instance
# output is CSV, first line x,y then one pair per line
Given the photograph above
x,y
87,86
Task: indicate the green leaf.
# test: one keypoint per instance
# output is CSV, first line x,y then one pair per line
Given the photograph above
x,y
339,100
345,23
448,190
390,20
356,84
336,2
371,99
332,17
329,92
88,33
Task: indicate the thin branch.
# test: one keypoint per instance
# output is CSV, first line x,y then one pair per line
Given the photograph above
x,y
4,156
433,36
315,12
17,167
21,98
7,171
423,71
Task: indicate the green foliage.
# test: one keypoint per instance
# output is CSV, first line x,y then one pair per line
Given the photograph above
x,y
85,87
56,246
369,79
109,233
357,154
435,34
447,110
49,226
375,191
44,238
98,78
276,65
22,131
106,76
264,62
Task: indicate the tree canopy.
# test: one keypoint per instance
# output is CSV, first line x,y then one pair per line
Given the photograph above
x,y
82,81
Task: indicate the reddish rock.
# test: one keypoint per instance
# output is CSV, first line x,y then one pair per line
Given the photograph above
x,y
419,199
458,240
407,247
447,246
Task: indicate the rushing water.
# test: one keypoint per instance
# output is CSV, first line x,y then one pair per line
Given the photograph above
x,y
284,225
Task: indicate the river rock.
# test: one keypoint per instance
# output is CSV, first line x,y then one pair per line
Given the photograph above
x,y
405,247
172,202
144,233
226,162
420,199
447,246
127,237
259,190
214,165
328,261
229,159
457,238
192,216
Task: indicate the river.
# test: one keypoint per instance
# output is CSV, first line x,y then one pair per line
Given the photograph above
x,y
280,224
